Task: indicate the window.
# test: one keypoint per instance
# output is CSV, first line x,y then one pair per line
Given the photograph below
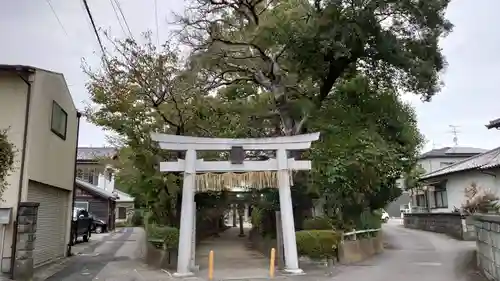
x,y
122,213
88,175
82,205
59,121
441,197
421,202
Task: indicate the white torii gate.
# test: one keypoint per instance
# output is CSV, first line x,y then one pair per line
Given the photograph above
x,y
191,165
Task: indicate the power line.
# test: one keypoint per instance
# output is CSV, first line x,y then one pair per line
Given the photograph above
x,y
94,27
118,17
57,17
157,25
123,16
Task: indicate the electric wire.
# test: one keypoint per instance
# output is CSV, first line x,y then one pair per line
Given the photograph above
x,y
157,25
57,17
96,32
118,17
123,16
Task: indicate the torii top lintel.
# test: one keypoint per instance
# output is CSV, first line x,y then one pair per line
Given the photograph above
x,y
179,143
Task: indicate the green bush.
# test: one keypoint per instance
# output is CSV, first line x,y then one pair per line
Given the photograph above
x,y
317,244
137,219
169,235
369,220
318,223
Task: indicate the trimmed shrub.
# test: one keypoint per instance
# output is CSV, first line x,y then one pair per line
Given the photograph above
x,y
317,244
318,223
169,236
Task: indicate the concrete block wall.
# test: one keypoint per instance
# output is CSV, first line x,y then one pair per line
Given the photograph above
x,y
488,244
452,224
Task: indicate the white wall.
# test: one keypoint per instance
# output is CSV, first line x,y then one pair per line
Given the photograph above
x,y
456,184
436,163
13,98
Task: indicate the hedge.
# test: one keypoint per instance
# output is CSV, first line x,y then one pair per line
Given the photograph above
x,y
166,237
318,223
317,244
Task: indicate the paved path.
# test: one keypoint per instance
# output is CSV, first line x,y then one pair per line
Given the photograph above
x,y
233,256
410,255
115,256
413,255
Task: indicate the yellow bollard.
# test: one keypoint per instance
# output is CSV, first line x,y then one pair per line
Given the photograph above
x,y
211,265
272,263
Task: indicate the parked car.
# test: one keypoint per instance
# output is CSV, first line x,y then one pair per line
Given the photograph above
x,y
385,216
98,225
81,225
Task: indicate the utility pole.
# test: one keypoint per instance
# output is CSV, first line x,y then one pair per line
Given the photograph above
x,y
455,133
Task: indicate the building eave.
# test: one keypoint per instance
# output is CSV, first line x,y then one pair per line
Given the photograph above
x,y
494,124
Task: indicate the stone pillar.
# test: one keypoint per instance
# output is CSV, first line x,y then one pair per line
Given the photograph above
x,y
186,229
279,242
26,235
246,212
193,265
286,209
233,211
240,218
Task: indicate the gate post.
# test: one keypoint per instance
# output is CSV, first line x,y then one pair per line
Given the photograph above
x,y
286,209
187,216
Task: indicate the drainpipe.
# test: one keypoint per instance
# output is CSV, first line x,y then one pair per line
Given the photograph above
x,y
28,82
78,116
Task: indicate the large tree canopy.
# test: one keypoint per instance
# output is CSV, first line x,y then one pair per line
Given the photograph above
x,y
267,68
299,50
370,139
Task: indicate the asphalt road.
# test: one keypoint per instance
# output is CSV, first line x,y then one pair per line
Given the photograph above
x,y
413,255
410,255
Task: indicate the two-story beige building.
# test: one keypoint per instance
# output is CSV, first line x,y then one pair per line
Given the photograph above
x,y
42,121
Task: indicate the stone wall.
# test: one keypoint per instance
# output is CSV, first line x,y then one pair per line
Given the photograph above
x,y
488,245
452,224
26,235
352,251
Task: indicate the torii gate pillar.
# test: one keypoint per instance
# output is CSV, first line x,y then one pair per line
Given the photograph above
x,y
191,165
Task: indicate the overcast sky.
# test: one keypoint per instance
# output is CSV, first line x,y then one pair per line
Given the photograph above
x,y
31,34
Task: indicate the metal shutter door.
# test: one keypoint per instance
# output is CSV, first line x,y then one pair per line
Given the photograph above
x,y
51,230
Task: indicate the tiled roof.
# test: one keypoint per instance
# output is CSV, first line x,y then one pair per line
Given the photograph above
x,y
487,160
457,151
92,153
95,190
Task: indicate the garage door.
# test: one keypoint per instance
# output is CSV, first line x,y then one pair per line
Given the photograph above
x,y
50,243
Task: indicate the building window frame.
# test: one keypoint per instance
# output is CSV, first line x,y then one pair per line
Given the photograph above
x,y
124,213
440,197
82,202
59,121
421,200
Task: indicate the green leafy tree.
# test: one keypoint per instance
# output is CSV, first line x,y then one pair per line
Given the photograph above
x,y
7,154
300,50
370,139
140,90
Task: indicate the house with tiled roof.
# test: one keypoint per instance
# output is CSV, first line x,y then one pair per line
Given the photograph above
x,y
445,187
430,161
100,195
